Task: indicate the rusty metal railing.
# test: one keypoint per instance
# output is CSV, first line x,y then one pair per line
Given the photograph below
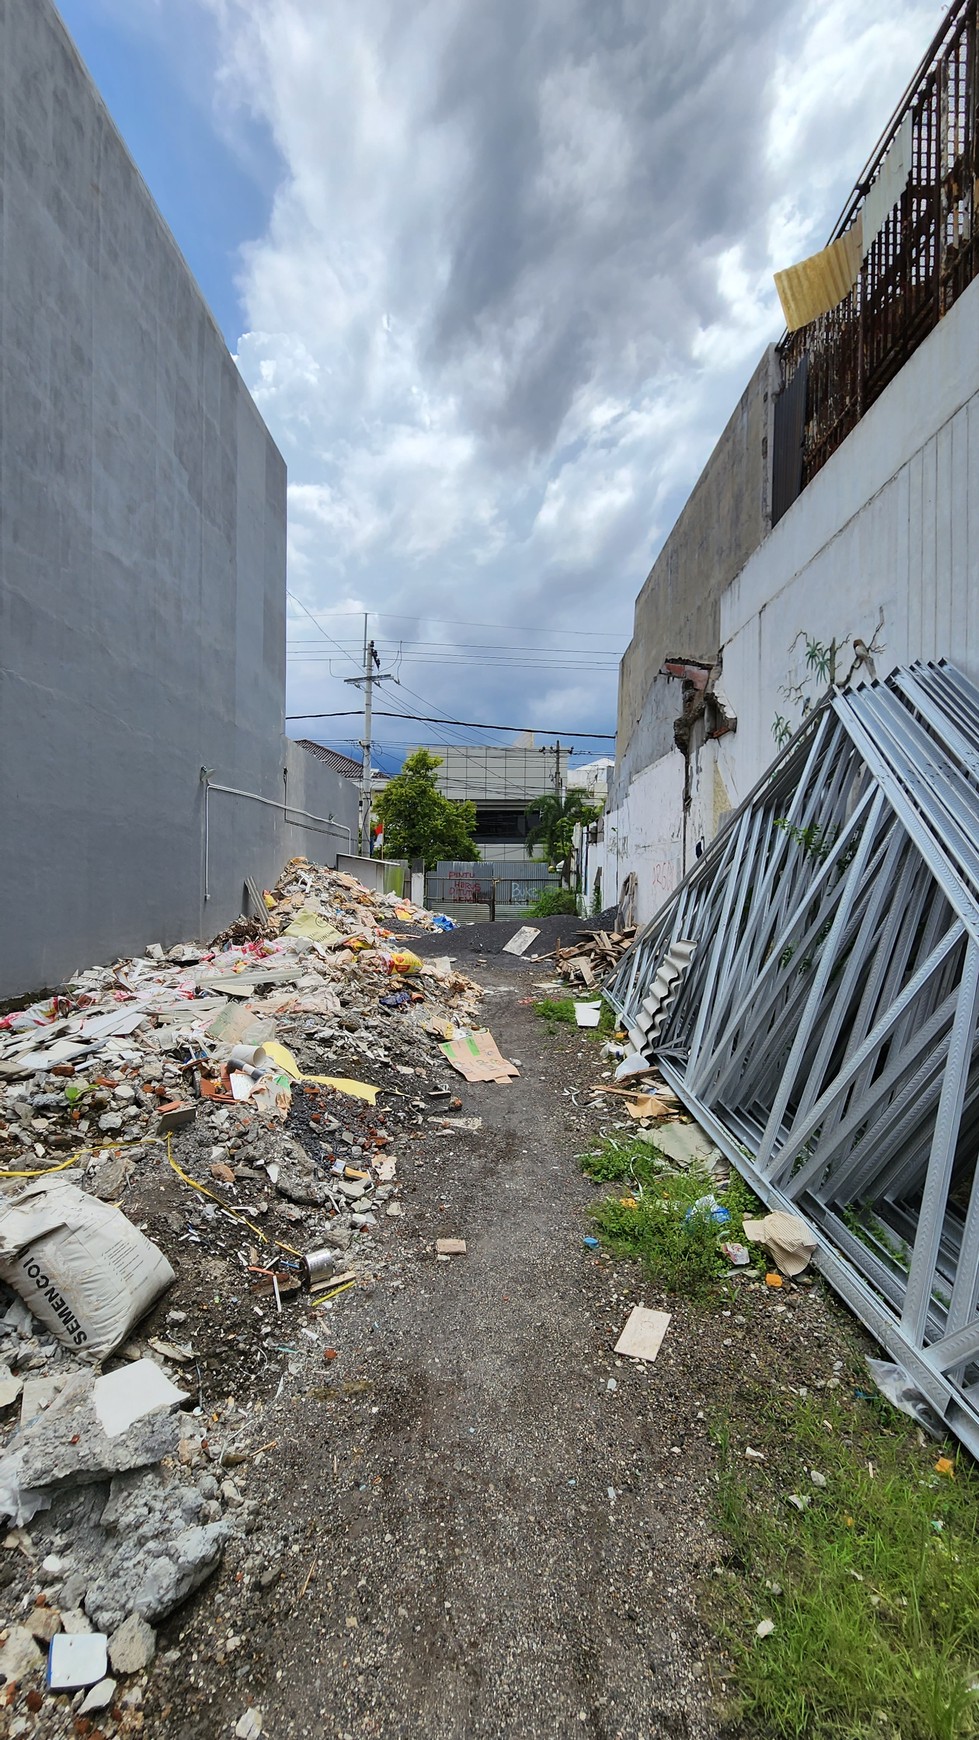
x,y
925,255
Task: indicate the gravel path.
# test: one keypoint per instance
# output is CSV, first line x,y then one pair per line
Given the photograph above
x,y
503,1527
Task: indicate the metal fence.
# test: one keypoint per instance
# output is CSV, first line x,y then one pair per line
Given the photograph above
x,y
480,884
923,258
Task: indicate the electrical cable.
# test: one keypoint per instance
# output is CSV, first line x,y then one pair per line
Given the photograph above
x,y
471,724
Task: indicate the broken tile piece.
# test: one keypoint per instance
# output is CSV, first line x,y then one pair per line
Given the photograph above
x,y
450,1247
643,1334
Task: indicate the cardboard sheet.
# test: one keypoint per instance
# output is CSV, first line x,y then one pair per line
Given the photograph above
x,y
476,1057
521,940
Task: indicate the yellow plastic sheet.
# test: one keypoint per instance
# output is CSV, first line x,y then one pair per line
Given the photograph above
x,y
358,1090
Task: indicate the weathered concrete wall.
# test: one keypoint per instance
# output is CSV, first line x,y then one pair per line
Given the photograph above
x,y
890,523
142,556
677,611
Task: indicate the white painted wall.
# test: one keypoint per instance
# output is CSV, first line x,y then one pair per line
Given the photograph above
x,y
891,522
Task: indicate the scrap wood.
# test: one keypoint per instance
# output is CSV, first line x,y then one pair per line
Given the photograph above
x,y
595,953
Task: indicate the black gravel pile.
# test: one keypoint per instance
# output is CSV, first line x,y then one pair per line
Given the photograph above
x,y
490,939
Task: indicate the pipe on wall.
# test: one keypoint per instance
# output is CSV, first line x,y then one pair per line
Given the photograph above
x,y
271,803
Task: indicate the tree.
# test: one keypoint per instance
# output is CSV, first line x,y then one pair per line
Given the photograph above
x,y
554,831
418,821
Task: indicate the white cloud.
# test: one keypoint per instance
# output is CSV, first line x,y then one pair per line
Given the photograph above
x,y
517,270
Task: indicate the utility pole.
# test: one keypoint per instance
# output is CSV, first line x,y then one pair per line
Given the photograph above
x,y
369,678
546,750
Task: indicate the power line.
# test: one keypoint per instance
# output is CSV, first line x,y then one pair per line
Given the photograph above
x,y
472,724
466,622
322,631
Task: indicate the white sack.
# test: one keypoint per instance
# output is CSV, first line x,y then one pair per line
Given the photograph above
x,y
84,1270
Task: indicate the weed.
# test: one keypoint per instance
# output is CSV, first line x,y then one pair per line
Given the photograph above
x,y
655,1218
559,1011
556,1011
554,903
873,1586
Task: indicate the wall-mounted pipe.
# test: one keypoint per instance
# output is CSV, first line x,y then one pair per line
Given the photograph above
x,y
271,803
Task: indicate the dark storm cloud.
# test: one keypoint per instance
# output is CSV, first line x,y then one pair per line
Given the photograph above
x,y
687,97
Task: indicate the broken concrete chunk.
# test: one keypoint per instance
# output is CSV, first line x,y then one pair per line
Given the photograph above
x,y
99,1698
132,1646
450,1247
249,1726
44,1623
20,1655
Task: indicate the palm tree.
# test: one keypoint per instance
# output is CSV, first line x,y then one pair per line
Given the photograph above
x,y
557,819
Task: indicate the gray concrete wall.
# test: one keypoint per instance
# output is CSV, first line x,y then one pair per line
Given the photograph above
x,y
142,556
678,610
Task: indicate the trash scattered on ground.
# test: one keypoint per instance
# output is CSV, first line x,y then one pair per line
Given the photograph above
x,y
79,1660
193,1144
788,1239
687,1145
643,1334
83,1269
901,1391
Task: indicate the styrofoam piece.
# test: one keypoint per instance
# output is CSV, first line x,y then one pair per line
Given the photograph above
x,y
123,1396
588,1014
77,1659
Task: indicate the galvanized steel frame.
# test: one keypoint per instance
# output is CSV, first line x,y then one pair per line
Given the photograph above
x,y
826,1029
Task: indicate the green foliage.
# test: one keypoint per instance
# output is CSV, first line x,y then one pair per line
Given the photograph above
x,y
873,1587
418,821
552,902
554,830
648,1219
815,841
596,895
559,1011
556,1011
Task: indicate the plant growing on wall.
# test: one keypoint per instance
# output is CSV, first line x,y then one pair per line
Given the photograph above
x,y
825,661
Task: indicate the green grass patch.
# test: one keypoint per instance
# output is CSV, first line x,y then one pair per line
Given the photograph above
x,y
559,1011
873,1587
654,1217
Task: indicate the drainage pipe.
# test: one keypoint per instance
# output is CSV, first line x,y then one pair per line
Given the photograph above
x,y
271,803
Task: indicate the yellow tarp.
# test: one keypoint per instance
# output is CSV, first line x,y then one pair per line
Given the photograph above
x,y
358,1090
816,285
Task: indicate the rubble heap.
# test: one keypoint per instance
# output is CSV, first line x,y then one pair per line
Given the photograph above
x,y
240,1108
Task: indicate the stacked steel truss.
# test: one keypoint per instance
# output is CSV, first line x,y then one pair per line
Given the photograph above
x,y
824,1030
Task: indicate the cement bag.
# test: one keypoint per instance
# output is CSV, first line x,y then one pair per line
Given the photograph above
x,y
83,1269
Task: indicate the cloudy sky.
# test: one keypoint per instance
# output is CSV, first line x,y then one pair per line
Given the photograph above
x,y
496,274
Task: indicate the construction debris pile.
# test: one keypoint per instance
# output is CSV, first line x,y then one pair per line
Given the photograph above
x,y
811,992
210,1135
593,957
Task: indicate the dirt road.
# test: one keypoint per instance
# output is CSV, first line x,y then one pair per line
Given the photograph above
x,y
484,1524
